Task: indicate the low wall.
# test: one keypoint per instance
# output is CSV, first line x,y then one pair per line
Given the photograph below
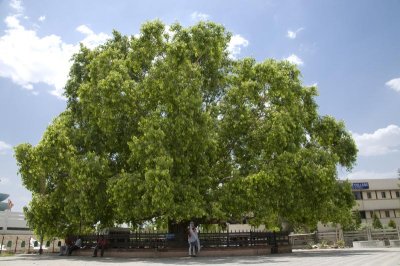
x,y
284,249
369,244
205,252
394,243
25,244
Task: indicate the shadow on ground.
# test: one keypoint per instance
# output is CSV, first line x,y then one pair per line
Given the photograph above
x,y
273,258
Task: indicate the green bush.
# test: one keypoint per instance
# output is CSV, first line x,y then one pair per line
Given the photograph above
x,y
6,254
340,243
392,224
311,245
323,244
376,222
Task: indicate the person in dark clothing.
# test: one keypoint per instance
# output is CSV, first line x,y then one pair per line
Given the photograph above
x,y
101,244
77,245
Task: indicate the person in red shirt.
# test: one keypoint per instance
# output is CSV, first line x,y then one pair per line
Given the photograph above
x,y
101,244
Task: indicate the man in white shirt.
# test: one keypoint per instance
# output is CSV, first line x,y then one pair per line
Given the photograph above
x,y
77,245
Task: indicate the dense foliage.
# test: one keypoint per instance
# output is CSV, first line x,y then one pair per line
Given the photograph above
x,y
165,126
376,222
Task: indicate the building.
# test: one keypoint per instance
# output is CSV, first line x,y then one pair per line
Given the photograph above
x,y
13,223
15,235
377,196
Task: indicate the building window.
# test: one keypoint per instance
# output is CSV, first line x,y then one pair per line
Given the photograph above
x,y
22,244
362,215
383,194
9,243
371,213
387,214
47,244
397,194
358,195
369,195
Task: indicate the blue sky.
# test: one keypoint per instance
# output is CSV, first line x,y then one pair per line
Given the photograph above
x,y
350,49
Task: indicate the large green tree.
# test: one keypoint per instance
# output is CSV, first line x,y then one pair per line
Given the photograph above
x,y
166,126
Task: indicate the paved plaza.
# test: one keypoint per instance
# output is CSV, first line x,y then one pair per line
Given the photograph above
x,y
342,257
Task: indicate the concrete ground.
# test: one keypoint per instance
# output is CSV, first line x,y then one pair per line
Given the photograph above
x,y
342,257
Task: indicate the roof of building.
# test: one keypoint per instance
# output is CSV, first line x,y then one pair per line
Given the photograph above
x,y
380,184
3,196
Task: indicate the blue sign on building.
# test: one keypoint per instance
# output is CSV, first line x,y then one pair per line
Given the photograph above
x,y
362,185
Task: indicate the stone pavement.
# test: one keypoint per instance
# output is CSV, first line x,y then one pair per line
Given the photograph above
x,y
342,257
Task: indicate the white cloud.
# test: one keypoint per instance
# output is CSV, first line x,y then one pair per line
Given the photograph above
x,y
42,18
382,141
92,39
294,59
84,30
394,84
4,147
235,45
196,16
28,59
16,5
12,22
167,30
315,84
371,175
4,180
293,34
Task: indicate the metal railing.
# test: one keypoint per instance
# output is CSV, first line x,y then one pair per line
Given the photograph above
x,y
208,239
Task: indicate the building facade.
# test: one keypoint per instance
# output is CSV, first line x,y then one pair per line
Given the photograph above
x,y
13,223
15,235
377,196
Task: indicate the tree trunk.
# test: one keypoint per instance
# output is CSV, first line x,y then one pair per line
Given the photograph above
x,y
179,230
41,243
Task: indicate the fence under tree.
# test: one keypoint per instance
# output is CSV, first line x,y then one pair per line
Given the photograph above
x,y
208,239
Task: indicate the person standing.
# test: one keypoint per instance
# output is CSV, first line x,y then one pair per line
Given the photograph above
x,y
197,244
193,240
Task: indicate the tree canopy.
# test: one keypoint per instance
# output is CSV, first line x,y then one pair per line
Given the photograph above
x,y
167,126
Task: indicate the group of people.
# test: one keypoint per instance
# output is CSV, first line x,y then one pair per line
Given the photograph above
x,y
70,246
77,244
193,240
